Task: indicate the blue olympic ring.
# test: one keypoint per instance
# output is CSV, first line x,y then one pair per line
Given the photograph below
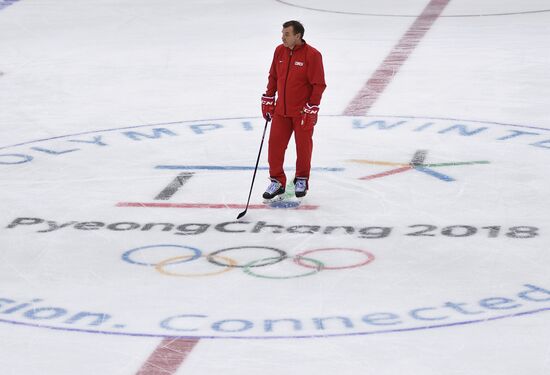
x,y
126,256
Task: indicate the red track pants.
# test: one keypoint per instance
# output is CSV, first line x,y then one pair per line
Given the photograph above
x,y
281,129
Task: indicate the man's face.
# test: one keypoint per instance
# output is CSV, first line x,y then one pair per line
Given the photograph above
x,y
289,38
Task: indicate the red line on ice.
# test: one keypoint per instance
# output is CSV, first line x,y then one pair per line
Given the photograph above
x,y
168,356
210,205
382,77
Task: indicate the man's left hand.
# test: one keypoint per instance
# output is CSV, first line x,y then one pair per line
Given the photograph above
x,y
309,116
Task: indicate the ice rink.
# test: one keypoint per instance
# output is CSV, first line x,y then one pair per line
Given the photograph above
x,y
129,132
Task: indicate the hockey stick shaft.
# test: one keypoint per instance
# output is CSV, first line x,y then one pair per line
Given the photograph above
x,y
255,170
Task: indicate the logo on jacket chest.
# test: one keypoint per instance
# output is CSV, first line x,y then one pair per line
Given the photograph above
x,y
298,63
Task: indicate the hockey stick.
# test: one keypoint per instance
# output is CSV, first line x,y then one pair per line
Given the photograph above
x,y
254,175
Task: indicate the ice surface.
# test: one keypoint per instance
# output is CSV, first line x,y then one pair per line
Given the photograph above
x,y
128,130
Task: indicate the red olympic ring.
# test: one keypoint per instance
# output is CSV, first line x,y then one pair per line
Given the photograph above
x,y
370,258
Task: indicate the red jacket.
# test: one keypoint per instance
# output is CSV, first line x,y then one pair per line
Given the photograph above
x,y
298,77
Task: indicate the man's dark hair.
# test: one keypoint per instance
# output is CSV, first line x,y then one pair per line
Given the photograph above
x,y
297,27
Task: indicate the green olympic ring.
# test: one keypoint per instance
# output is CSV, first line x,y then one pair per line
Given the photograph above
x,y
318,267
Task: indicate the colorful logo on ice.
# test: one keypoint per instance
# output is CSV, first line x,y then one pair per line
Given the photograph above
x,y
417,163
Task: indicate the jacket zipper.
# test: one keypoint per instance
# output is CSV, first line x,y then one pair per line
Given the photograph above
x,y
286,78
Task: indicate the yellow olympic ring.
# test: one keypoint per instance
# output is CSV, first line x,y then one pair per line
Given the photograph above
x,y
160,266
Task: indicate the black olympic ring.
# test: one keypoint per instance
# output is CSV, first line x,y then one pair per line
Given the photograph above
x,y
272,260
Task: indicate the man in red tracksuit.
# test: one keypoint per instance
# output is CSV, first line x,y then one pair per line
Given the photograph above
x,y
298,78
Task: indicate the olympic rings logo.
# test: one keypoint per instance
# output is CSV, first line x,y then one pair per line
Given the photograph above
x,y
163,259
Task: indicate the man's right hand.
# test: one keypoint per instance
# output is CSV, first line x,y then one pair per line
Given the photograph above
x,y
268,107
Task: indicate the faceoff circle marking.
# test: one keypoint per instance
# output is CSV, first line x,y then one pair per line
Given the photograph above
x,y
191,253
